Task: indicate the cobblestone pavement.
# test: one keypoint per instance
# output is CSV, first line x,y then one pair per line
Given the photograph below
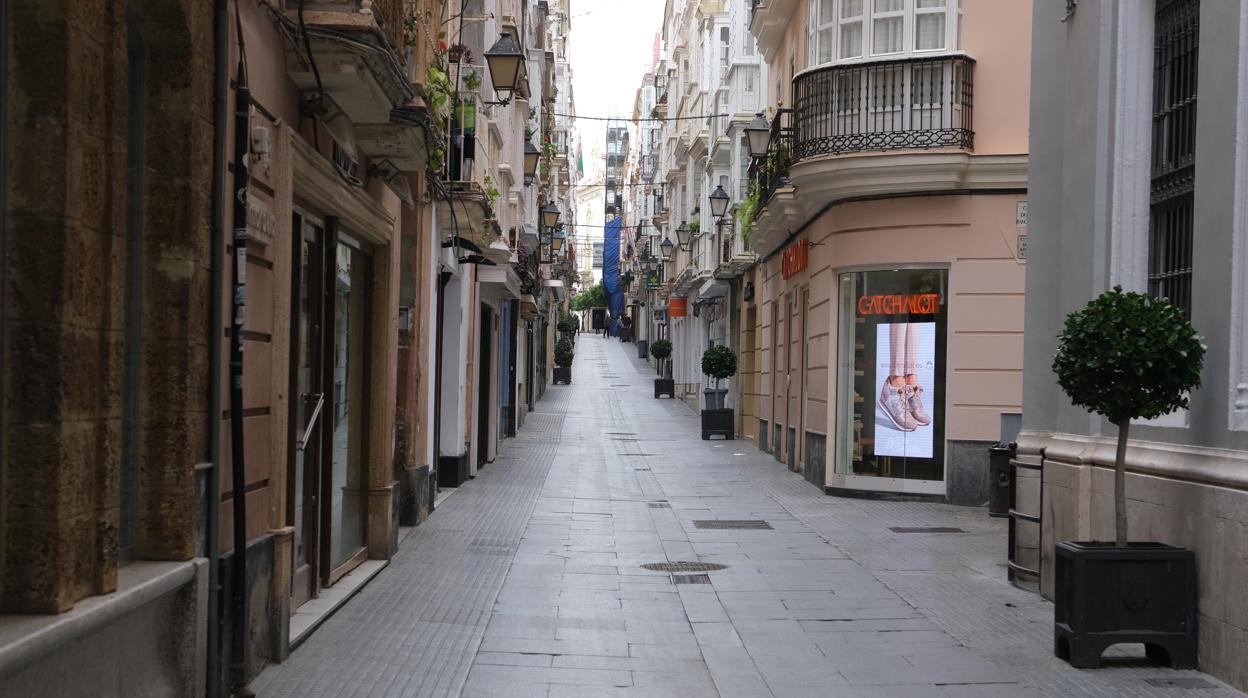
x,y
529,582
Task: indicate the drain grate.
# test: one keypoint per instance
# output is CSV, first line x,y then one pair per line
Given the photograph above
x,y
931,529
720,524
683,567
641,470
660,505
1188,683
691,579
621,433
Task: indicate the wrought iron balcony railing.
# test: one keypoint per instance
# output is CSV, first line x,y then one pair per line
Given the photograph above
x,y
889,105
772,171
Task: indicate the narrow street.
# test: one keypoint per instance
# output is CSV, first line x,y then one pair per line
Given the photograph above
x,y
528,580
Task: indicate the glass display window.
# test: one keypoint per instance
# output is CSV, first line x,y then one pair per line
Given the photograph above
x,y
891,377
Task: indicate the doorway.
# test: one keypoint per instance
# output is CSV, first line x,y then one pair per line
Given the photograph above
x,y
485,342
327,485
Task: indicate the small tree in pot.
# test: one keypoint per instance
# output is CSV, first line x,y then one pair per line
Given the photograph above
x,y
1126,356
663,385
718,362
563,361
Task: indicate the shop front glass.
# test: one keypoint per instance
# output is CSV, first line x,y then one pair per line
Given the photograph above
x,y
891,386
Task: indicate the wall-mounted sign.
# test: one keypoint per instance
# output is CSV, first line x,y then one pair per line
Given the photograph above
x,y
1022,247
678,307
1020,214
795,258
261,223
900,304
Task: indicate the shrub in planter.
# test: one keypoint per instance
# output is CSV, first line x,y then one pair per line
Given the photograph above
x,y
563,361
718,362
568,324
662,350
1126,356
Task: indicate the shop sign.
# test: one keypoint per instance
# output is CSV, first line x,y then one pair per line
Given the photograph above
x,y
795,258
678,307
900,304
261,223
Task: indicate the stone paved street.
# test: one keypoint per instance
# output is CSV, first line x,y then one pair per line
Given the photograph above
x,y
529,580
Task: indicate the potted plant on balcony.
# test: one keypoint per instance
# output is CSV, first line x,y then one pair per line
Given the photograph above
x,y
718,362
563,361
1126,356
661,350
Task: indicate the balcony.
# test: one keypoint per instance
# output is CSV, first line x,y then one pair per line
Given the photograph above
x,y
873,129
915,103
367,68
769,20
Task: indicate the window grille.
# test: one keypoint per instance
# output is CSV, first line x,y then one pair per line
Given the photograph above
x,y
1175,46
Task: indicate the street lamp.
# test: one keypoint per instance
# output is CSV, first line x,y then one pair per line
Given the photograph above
x,y
665,249
550,215
719,202
758,133
505,60
557,241
682,236
531,156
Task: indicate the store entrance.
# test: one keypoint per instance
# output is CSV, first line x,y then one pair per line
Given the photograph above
x,y
328,416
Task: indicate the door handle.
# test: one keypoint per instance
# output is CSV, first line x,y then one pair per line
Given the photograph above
x,y
316,414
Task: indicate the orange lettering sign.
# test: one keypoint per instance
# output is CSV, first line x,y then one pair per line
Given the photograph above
x,y
900,304
678,307
794,259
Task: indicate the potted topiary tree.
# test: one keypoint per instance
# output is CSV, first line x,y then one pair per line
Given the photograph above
x,y
563,361
567,327
718,362
663,385
1126,356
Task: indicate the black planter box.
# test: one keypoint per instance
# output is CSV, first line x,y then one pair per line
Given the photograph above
x,y
665,386
1143,593
563,375
721,422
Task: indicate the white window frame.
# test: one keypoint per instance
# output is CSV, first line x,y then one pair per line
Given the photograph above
x,y
823,29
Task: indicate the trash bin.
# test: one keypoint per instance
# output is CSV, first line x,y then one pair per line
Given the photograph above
x,y
1001,475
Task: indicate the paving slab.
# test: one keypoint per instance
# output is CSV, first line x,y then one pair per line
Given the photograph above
x,y
828,601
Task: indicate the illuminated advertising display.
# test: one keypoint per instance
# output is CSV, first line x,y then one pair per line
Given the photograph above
x,y
891,378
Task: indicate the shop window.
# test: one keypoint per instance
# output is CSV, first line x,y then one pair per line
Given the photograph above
x,y
891,388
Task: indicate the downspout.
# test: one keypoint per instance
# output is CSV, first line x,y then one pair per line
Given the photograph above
x,y
238,582
220,89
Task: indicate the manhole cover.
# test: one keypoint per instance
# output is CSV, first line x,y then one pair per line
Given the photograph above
x,y
756,524
932,529
690,579
1189,683
660,505
641,470
682,567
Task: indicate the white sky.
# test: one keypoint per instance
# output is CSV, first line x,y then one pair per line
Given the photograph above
x,y
611,48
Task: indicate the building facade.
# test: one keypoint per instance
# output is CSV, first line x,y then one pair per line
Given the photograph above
x,y
212,429
881,337
1139,181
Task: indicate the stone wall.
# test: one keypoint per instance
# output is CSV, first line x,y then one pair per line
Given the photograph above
x,y
73,103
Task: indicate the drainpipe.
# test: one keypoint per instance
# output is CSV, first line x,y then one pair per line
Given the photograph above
x,y
238,581
220,89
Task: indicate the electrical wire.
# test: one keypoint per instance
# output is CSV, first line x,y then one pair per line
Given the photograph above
x,y
646,118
